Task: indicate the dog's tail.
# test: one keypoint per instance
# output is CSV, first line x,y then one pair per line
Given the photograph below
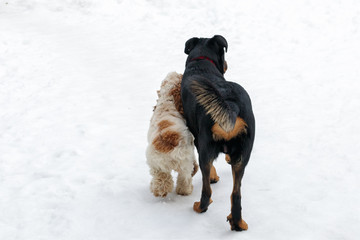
x,y
222,112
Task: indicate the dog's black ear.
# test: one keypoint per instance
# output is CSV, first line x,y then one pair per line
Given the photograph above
x,y
190,44
221,41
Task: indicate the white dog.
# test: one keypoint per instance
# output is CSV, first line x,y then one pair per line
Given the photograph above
x,y
171,144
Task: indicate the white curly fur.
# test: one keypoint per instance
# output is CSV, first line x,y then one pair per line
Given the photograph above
x,y
181,158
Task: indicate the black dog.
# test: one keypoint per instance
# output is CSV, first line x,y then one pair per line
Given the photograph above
x,y
219,115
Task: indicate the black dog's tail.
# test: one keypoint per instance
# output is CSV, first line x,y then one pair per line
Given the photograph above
x,y
214,104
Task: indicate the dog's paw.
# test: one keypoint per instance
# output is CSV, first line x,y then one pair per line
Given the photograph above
x,y
214,178
238,225
160,194
161,184
184,190
198,209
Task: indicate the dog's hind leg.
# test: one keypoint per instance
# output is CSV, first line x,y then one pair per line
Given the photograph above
x,y
235,218
161,183
205,201
184,183
186,171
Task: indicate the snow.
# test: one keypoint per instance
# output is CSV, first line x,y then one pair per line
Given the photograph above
x,y
78,81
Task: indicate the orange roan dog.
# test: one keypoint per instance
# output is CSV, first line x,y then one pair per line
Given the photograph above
x,y
219,115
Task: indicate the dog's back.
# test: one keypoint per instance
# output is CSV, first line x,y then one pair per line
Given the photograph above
x,y
167,125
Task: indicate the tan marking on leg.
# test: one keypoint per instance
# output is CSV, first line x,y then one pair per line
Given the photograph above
x,y
197,208
196,168
221,134
214,178
164,124
227,158
206,192
241,224
176,93
166,141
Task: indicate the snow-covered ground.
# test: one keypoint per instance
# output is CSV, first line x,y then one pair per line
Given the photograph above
x,y
78,81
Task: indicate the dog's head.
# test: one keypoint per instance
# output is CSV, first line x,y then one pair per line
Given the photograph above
x,y
208,48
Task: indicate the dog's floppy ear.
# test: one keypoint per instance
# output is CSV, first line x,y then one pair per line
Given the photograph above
x,y
221,41
190,44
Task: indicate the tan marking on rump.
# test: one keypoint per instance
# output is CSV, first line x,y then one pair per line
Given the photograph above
x,y
176,93
221,134
166,141
164,124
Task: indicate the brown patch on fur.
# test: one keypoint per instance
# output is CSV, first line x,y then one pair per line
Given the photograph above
x,y
164,124
166,141
197,208
176,93
221,134
214,178
241,224
227,158
225,66
164,83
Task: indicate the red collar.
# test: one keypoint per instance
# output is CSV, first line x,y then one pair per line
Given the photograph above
x,y
203,58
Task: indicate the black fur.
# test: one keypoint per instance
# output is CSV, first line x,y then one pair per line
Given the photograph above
x,y
205,68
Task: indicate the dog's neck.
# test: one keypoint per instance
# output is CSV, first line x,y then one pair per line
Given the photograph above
x,y
203,58
193,68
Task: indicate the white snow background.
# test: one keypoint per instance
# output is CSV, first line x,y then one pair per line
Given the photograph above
x,y
78,81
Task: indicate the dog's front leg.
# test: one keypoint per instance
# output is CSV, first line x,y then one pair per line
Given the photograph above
x,y
202,206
